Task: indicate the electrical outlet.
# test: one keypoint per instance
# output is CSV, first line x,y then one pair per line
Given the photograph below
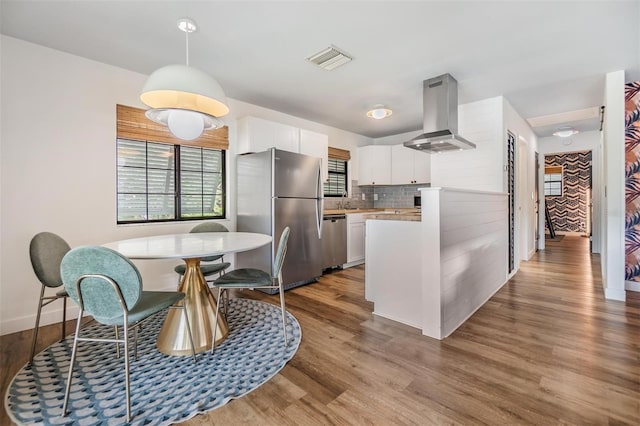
x,y
364,197
375,197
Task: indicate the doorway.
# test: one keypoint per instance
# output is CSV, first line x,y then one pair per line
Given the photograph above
x,y
567,190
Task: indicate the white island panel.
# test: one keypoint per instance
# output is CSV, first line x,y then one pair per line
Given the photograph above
x,y
393,271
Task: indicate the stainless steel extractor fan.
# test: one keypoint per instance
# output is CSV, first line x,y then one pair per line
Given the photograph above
x,y
440,118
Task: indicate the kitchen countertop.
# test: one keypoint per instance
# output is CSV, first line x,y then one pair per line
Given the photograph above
x,y
382,214
412,216
351,211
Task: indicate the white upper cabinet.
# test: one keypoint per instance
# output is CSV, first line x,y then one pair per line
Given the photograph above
x,y
409,166
316,145
257,135
374,165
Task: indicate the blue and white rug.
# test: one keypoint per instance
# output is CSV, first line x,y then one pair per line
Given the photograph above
x,y
164,389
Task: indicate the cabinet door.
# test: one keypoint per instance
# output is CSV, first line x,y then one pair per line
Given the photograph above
x,y
355,245
402,165
374,166
421,167
316,145
257,135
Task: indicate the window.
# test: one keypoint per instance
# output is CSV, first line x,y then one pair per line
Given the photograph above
x,y
164,182
553,181
337,183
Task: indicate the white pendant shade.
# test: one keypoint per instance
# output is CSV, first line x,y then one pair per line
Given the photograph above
x,y
186,125
184,87
185,99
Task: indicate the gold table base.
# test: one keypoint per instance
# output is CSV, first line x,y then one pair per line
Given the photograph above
x,y
201,311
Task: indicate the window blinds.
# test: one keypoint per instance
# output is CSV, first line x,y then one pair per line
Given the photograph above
x,y
132,124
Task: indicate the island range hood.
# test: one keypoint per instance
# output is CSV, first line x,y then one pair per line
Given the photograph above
x,y
440,118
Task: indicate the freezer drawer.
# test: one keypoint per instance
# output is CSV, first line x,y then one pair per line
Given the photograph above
x,y
334,241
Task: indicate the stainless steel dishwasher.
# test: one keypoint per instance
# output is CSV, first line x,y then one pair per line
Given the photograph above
x,y
334,240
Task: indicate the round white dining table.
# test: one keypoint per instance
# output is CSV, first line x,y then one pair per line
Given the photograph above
x,y
199,302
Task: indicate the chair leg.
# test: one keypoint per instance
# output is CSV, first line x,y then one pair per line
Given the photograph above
x,y
215,326
186,319
135,342
73,360
117,343
126,368
64,318
284,316
35,330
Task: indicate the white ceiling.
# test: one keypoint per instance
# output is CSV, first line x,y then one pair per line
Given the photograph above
x,y
545,57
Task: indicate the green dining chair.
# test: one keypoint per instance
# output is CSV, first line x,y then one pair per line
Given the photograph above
x,y
108,286
255,278
207,265
208,268
46,251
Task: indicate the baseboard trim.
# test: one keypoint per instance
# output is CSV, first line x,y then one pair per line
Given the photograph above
x,y
615,294
48,316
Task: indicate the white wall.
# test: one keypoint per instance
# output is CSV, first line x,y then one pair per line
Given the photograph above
x,y
58,166
481,168
613,200
464,256
587,141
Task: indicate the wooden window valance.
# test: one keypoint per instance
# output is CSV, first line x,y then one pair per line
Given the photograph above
x,y
133,124
552,170
339,154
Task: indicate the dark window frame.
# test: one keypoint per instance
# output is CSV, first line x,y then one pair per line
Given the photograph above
x,y
553,176
333,172
177,184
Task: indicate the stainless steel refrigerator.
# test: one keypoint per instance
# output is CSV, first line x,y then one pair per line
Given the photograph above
x,y
277,189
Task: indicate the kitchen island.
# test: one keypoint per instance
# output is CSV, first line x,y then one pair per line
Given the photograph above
x,y
435,272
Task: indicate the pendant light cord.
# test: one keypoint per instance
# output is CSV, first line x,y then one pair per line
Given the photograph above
x,y
187,43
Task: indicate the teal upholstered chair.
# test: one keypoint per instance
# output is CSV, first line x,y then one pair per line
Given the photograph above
x,y
207,265
256,278
208,268
108,286
46,251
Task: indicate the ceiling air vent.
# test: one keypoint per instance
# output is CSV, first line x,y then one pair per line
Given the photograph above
x,y
329,58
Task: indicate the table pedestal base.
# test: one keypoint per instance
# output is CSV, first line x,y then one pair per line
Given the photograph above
x,y
201,310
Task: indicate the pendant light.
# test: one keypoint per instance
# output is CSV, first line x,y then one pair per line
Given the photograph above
x,y
185,99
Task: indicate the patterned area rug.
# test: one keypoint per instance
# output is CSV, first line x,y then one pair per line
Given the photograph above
x,y
164,389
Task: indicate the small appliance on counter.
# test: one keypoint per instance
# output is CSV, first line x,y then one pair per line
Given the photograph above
x,y
417,202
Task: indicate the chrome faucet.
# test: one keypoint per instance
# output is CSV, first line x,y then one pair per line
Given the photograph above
x,y
341,202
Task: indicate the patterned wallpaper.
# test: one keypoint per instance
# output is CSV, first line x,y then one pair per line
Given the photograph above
x,y
632,181
569,211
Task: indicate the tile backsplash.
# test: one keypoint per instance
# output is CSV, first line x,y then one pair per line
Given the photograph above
x,y
396,196
355,201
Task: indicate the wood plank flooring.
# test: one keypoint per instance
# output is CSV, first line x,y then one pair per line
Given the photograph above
x,y
547,349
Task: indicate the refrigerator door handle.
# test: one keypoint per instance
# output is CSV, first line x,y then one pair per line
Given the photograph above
x,y
319,214
320,203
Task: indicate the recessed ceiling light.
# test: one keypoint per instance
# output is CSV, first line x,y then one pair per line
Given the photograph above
x,y
565,132
379,112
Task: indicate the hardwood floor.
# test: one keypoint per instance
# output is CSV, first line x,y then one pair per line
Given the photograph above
x,y
546,349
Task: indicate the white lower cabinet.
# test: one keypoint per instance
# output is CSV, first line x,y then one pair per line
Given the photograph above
x,y
355,239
